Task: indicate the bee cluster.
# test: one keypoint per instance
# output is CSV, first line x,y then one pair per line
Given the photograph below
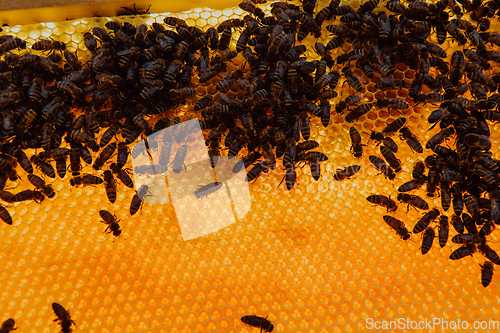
x,y
139,75
467,175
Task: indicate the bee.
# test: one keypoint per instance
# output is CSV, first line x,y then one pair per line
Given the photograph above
x,y
478,141
111,221
138,199
304,125
122,156
63,317
413,200
251,8
8,326
457,67
462,252
258,322
458,204
256,171
484,24
439,137
22,159
471,238
179,158
389,156
413,184
351,79
428,239
389,83
105,155
82,137
102,34
380,165
387,141
72,59
357,147
110,185
47,45
351,56
5,215
456,221
486,273
429,98
472,206
122,175
398,226
43,166
175,22
228,80
489,253
85,180
395,126
411,140
358,112
425,220
418,170
90,42
28,195
394,103
206,190
74,159
345,173
383,201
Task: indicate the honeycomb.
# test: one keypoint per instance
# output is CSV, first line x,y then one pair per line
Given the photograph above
x,y
318,258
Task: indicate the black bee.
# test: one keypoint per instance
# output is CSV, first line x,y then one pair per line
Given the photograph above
x,y
256,171
8,326
395,126
41,185
258,322
138,199
413,200
425,220
345,173
179,158
383,201
380,165
105,155
251,8
489,253
206,190
413,184
110,185
357,147
5,215
63,317
398,226
359,111
462,252
411,140
389,156
28,195
387,141
428,239
444,230
111,221
86,180
418,170
486,273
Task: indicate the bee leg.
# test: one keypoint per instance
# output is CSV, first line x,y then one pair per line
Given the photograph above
x,y
281,181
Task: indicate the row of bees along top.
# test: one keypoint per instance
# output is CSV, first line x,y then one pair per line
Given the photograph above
x,y
53,103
